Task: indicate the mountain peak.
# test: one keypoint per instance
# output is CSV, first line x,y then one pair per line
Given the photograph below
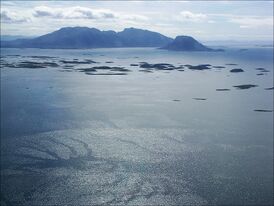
x,y
183,37
186,43
78,28
131,28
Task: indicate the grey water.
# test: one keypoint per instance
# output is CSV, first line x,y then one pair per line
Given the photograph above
x,y
137,136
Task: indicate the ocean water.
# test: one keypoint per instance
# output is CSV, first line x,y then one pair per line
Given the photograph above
x,y
153,137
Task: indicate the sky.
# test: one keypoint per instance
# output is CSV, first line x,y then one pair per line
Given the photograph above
x,y
204,20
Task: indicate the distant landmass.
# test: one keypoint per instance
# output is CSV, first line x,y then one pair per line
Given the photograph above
x,y
186,43
14,37
85,38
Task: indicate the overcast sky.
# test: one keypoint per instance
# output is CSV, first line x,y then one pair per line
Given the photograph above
x,y
205,20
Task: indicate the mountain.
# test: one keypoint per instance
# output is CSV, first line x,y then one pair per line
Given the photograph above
x,y
84,37
69,37
132,37
186,43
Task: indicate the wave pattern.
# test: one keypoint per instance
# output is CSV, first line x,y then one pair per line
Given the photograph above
x,y
98,166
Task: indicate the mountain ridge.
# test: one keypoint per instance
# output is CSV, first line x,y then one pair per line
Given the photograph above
x,y
84,37
87,38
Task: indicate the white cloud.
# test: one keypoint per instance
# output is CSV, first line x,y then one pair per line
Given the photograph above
x,y
253,22
8,16
79,12
76,12
193,17
134,17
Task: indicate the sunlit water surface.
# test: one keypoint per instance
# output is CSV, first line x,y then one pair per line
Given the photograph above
x,y
68,137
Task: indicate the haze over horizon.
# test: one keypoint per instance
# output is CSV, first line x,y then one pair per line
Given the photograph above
x,y
206,21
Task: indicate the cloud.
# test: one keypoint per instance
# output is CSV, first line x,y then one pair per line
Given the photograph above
x,y
7,3
193,17
8,16
134,17
253,22
76,12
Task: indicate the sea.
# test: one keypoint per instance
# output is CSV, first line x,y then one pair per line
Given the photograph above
x,y
112,127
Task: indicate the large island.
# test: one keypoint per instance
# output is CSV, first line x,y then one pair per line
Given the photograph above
x,y
87,38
